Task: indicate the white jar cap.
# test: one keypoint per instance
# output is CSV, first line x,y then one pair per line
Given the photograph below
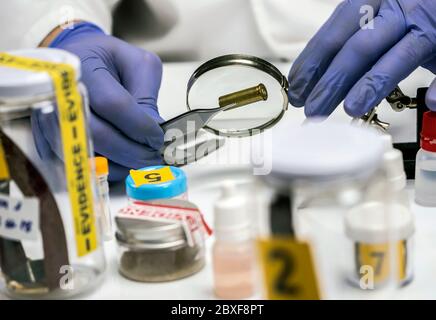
x,y
376,222
15,83
231,217
323,151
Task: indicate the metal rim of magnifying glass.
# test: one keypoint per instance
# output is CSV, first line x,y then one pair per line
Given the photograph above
x,y
249,61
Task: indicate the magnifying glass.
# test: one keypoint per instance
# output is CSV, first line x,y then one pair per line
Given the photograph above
x,y
232,96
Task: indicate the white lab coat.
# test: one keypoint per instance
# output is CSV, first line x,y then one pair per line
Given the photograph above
x,y
187,29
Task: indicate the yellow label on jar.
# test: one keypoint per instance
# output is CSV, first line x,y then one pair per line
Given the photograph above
x,y
141,177
378,258
289,270
74,143
4,169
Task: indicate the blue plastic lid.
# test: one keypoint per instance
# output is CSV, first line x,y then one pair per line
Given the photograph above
x,y
157,190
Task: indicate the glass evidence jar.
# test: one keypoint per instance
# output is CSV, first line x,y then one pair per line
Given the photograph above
x,y
160,234
326,171
47,248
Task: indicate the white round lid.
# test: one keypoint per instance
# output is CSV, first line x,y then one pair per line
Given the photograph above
x,y
16,83
375,222
323,151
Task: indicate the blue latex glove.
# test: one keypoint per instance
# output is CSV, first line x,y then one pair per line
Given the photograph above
x,y
123,84
362,66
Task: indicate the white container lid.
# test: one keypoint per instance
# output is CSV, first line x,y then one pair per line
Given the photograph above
x,y
375,222
15,83
323,151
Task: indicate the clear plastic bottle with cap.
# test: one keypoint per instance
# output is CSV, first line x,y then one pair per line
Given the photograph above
x,y
102,173
425,177
234,264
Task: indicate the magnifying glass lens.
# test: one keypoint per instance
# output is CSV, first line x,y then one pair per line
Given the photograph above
x,y
257,98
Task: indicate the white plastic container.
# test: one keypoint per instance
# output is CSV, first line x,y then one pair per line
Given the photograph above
x,y
382,244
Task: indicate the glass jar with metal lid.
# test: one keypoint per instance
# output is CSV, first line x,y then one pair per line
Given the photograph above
x,y
158,249
50,243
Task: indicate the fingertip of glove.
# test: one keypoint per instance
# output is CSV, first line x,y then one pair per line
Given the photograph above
x,y
310,111
295,100
355,108
361,99
156,140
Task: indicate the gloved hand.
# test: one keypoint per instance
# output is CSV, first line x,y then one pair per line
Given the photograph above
x,y
123,84
363,65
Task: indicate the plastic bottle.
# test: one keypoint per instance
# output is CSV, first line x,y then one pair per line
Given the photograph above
x,y
425,176
102,172
233,252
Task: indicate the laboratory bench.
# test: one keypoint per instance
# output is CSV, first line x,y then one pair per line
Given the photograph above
x,y
200,285
206,176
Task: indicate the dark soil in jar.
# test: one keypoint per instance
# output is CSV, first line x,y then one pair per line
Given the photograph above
x,y
161,265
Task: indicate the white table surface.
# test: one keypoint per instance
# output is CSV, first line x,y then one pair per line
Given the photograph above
x,y
203,191
199,286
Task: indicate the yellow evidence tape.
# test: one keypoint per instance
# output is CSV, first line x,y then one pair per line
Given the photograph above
x,y
74,142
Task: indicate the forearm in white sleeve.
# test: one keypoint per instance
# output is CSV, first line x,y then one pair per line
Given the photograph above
x,y
25,23
287,25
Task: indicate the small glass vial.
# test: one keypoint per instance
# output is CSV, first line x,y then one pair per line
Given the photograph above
x,y
425,177
155,183
233,252
102,173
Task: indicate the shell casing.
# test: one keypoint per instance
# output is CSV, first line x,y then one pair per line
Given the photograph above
x,y
244,97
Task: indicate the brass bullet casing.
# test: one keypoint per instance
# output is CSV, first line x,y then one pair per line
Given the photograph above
x,y
244,97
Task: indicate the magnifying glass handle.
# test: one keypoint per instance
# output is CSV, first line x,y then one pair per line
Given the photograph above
x,y
190,122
